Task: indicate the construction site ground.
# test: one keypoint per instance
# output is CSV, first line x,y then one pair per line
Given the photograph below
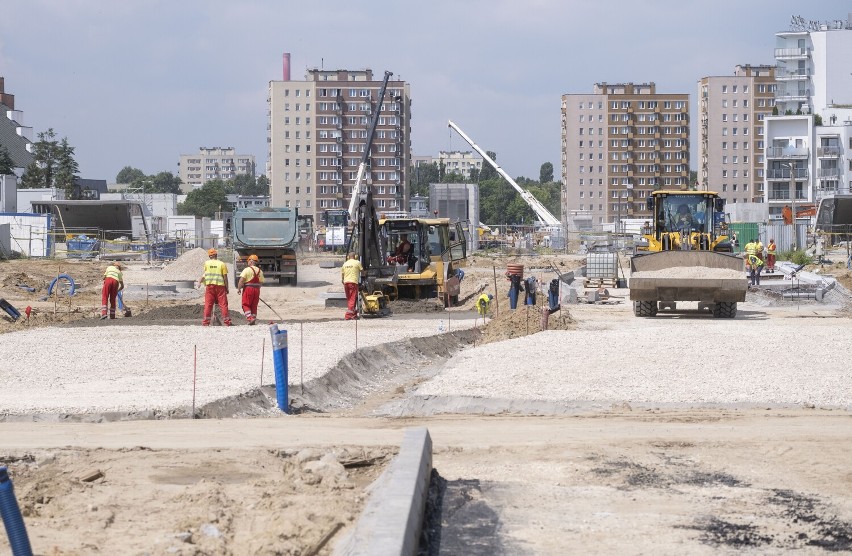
x,y
606,433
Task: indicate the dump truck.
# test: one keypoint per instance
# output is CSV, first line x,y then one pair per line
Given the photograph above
x,y
688,257
273,235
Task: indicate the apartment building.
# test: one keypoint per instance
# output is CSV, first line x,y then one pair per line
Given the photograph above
x,y
809,141
460,162
213,163
317,135
731,112
619,143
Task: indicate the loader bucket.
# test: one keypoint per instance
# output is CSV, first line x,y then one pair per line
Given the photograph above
x,y
704,276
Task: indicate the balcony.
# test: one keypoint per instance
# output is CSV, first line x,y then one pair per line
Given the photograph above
x,y
828,152
796,94
784,174
786,152
783,195
793,75
792,53
828,173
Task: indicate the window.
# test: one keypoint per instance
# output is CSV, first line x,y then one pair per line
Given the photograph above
x,y
724,89
724,117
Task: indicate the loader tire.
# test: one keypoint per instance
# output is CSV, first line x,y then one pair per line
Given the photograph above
x,y
645,308
725,310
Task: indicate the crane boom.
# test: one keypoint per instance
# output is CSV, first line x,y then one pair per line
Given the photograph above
x,y
539,209
365,158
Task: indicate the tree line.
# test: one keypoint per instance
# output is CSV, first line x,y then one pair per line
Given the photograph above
x,y
499,203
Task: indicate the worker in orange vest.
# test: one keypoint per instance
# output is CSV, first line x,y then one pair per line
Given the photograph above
x,y
770,256
251,279
113,283
215,280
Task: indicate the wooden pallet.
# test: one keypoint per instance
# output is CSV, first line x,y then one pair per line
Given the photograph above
x,y
599,282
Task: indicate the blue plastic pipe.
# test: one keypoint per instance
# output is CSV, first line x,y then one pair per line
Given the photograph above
x,y
12,519
70,281
279,359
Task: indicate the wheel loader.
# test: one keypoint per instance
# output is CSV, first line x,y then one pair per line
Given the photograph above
x,y
688,257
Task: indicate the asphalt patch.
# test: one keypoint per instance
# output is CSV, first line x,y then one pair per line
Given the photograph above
x,y
458,521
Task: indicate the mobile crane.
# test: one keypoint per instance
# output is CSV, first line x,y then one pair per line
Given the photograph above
x,y
539,209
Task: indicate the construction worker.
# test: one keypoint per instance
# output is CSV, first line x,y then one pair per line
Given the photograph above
x,y
249,285
753,261
215,280
483,304
770,256
350,275
113,283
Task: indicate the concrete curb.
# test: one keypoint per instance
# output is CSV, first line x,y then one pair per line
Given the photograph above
x,y
393,517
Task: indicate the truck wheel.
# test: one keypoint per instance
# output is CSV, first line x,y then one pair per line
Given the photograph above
x,y
645,308
725,310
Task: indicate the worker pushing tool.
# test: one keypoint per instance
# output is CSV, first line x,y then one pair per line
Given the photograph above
x,y
251,279
215,280
350,275
113,283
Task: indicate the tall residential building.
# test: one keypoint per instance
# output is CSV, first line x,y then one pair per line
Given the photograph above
x,y
808,143
731,111
213,163
618,144
318,134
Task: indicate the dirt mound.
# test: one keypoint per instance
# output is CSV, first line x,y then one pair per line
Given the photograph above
x,y
186,267
180,312
522,322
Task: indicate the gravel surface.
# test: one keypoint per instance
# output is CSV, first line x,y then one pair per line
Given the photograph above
x,y
662,361
116,368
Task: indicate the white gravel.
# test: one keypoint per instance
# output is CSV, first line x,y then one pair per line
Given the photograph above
x,y
689,272
136,368
788,361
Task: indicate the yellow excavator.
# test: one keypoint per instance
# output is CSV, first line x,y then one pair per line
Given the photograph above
x,y
688,256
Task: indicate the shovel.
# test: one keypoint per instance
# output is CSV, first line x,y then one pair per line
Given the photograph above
x,y
122,306
271,309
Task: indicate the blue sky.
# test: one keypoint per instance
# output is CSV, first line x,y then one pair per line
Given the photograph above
x,y
140,82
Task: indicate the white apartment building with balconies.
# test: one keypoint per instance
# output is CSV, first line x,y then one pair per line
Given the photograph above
x,y
213,163
808,143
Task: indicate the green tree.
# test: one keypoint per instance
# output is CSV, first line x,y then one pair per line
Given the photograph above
x,y
6,165
128,174
546,173
66,168
261,185
165,182
42,170
421,176
488,172
206,200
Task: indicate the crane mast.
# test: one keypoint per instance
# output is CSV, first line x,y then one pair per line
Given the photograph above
x,y
539,209
357,189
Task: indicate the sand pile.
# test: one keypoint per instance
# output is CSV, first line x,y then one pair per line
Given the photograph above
x,y
523,321
186,267
690,272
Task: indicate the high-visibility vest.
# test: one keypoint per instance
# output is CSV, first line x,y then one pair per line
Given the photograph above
x,y
771,249
114,273
215,272
751,248
755,261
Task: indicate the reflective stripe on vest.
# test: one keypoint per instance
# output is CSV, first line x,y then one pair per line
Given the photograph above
x,y
214,273
751,249
771,249
114,273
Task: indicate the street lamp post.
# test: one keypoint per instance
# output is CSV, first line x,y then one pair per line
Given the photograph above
x,y
792,167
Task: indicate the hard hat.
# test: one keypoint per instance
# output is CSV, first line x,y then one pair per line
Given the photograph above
x,y
211,252
490,297
253,257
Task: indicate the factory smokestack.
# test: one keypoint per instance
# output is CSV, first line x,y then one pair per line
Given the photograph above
x,y
286,66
